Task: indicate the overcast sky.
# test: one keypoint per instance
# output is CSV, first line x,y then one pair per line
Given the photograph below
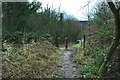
x,y
71,7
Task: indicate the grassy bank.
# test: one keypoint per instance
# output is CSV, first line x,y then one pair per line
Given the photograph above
x,y
36,60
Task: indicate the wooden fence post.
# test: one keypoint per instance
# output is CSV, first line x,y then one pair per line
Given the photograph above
x,y
84,41
66,42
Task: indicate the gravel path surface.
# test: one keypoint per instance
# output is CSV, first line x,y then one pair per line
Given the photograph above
x,y
68,69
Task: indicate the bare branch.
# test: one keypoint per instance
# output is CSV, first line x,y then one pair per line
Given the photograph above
x,y
86,4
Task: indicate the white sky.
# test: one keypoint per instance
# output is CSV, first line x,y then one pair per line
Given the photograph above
x,y
71,7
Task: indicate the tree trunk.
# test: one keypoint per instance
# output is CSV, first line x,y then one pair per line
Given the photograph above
x,y
117,37
103,68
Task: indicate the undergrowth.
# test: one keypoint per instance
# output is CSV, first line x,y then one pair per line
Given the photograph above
x,y
35,60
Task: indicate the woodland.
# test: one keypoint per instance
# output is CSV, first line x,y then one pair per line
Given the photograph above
x,y
41,42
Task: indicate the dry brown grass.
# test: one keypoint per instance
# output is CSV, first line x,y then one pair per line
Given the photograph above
x,y
36,60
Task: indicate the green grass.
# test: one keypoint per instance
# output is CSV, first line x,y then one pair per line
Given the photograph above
x,y
86,65
77,45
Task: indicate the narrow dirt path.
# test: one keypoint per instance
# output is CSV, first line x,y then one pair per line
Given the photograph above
x,y
68,69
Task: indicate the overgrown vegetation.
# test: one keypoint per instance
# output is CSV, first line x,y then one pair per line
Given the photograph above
x,y
91,60
32,36
35,60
